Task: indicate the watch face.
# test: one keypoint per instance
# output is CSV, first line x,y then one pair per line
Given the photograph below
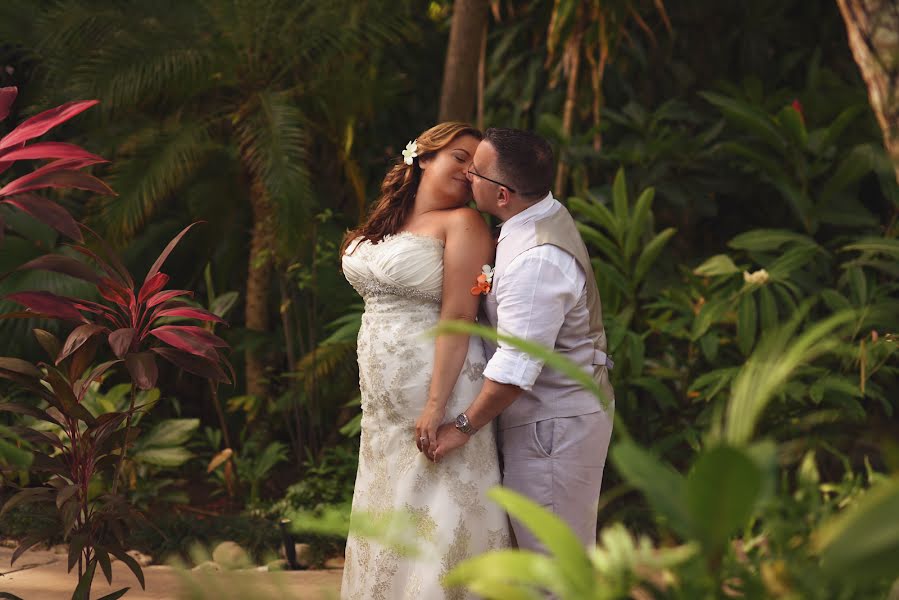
x,y
462,420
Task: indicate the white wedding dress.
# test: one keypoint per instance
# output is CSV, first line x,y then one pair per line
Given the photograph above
x,y
450,518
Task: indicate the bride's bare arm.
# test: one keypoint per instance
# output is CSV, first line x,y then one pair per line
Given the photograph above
x,y
468,248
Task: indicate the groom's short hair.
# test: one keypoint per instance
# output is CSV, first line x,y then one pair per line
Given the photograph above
x,y
524,159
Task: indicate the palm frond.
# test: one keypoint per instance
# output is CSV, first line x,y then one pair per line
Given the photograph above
x,y
155,165
272,137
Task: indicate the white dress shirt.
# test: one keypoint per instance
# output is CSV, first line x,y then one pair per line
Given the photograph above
x,y
538,289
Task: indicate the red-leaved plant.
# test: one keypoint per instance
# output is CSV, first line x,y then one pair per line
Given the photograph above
x,y
128,323
62,172
127,320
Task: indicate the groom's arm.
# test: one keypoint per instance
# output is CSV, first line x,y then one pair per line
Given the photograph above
x,y
538,289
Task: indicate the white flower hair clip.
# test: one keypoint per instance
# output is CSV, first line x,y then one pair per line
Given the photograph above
x,y
410,152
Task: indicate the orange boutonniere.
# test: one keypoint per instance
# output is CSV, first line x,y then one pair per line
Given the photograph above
x,y
484,281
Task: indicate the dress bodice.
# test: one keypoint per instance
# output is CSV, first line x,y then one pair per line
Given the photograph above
x,y
405,265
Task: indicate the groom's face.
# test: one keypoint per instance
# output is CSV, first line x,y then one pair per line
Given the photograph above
x,y
484,190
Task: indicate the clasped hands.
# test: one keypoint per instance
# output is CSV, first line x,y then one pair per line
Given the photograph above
x,y
432,438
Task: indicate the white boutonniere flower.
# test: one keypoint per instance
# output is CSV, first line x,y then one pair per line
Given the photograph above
x,y
410,152
487,270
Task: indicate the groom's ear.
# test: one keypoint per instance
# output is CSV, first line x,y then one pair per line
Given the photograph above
x,y
502,197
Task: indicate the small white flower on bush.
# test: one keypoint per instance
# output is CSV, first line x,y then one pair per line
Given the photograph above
x,y
759,277
410,152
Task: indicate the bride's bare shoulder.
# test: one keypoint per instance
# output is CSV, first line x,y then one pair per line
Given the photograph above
x,y
466,221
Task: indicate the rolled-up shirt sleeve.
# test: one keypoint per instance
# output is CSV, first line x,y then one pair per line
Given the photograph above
x,y
539,287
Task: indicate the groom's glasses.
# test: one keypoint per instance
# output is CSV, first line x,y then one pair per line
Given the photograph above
x,y
471,171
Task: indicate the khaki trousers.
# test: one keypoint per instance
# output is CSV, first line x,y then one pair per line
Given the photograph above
x,y
558,463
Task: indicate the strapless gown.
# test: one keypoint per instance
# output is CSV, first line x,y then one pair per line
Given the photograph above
x,y
451,519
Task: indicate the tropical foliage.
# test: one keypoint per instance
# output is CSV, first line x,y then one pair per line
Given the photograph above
x,y
726,172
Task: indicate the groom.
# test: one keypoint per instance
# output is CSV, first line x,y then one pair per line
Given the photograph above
x,y
553,434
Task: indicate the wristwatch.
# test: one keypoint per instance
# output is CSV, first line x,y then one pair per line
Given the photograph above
x,y
464,425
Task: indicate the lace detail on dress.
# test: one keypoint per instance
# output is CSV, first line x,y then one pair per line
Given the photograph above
x,y
401,280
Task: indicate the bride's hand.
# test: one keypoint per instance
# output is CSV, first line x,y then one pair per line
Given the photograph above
x,y
426,427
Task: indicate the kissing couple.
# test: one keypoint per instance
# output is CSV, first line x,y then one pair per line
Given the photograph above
x,y
446,419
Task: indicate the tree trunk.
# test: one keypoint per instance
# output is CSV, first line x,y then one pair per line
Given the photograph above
x,y
460,74
873,28
259,275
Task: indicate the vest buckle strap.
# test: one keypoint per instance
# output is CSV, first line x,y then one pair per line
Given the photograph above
x,y
601,358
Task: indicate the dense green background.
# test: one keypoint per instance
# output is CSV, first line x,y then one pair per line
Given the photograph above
x,y
742,116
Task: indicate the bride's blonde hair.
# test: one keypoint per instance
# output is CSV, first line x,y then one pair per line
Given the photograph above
x,y
401,183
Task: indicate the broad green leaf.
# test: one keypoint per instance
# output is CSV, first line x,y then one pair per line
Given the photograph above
x,y
574,565
721,491
710,313
863,541
791,123
164,457
504,567
708,343
774,362
748,117
747,317
598,213
888,246
858,285
763,240
720,264
835,301
651,252
767,309
638,222
789,261
663,487
602,243
619,201
170,432
11,455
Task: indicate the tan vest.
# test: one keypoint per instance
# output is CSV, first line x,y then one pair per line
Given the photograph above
x,y
581,338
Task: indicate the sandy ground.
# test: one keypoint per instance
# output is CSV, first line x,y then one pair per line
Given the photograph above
x,y
41,575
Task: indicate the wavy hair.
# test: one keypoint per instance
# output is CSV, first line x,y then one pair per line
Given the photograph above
x,y
401,184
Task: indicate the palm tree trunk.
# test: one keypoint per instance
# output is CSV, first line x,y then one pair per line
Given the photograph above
x,y
460,74
872,26
571,61
259,274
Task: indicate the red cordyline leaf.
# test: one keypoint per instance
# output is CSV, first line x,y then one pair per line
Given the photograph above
x,y
113,292
109,270
168,250
143,370
198,365
191,313
195,332
7,97
66,265
42,123
151,286
79,336
82,387
48,213
166,295
48,303
120,340
188,339
58,178
47,150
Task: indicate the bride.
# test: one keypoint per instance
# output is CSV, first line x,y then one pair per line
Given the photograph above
x,y
414,262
